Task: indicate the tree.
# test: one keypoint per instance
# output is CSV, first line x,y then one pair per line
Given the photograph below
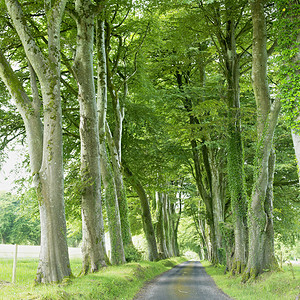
x,y
229,27
146,213
94,253
111,196
261,231
18,225
45,143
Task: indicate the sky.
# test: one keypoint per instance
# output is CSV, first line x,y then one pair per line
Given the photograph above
x,y
8,170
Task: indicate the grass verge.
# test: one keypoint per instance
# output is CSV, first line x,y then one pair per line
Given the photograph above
x,y
115,282
282,285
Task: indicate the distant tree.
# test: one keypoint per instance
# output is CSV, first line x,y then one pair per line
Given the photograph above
x,y
17,226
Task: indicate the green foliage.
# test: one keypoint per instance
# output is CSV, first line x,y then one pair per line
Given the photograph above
x,y
17,225
132,254
188,238
286,188
287,252
287,27
164,42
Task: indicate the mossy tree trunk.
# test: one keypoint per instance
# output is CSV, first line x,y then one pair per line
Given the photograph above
x,y
111,200
218,199
167,223
236,173
120,190
224,24
115,139
160,227
93,246
238,195
112,209
261,235
177,221
204,186
48,170
172,218
146,214
200,224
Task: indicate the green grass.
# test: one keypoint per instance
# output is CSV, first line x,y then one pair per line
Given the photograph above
x,y
269,286
115,282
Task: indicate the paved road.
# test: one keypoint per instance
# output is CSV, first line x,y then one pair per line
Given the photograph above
x,y
187,281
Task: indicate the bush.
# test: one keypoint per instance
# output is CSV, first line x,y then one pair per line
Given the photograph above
x,y
132,254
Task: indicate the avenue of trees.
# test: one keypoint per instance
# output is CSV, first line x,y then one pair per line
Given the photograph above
x,y
151,117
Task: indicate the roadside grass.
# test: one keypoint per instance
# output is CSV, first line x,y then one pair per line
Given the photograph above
x,y
281,285
114,282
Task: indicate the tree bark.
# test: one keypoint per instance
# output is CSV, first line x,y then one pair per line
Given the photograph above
x,y
236,173
261,235
146,214
54,259
205,190
115,142
112,209
93,246
176,225
111,200
120,190
160,228
218,201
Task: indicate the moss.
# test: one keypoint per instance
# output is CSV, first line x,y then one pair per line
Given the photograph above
x,y
168,263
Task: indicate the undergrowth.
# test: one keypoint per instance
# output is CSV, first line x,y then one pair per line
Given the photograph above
x,y
115,282
281,285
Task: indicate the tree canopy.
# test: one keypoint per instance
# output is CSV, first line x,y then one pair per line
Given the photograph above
x,y
160,118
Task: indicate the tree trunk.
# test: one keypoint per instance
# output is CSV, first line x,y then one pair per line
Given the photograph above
x,y
146,215
160,228
93,247
54,259
177,252
120,190
115,142
111,201
236,173
207,199
172,216
261,235
238,194
112,209
204,190
218,199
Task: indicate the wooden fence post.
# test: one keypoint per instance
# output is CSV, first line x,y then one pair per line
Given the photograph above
x,y
15,264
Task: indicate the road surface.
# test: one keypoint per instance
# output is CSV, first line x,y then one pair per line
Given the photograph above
x,y
188,280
